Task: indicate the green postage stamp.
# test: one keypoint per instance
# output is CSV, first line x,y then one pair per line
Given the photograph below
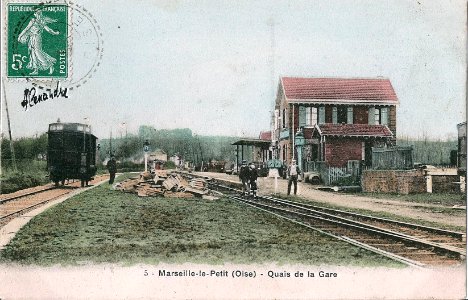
x,y
37,40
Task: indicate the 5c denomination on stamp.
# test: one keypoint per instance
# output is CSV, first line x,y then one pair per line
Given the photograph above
x,y
37,40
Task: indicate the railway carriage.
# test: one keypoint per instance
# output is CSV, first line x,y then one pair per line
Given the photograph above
x,y
71,152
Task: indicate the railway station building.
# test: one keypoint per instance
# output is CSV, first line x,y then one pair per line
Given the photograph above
x,y
340,119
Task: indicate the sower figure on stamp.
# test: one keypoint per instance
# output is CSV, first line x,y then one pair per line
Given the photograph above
x,y
253,175
244,175
112,167
293,172
32,35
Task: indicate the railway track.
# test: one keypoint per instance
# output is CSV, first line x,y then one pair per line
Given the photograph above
x,y
412,244
12,206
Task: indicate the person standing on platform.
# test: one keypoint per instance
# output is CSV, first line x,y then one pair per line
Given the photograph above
x,y
253,175
112,167
292,173
244,175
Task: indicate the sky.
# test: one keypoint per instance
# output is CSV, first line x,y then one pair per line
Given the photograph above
x,y
214,66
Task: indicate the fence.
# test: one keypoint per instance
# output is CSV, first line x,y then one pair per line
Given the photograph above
x,y
394,158
336,175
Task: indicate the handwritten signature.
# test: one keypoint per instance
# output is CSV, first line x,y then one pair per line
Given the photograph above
x,y
33,97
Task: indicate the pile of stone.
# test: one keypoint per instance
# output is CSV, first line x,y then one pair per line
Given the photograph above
x,y
164,184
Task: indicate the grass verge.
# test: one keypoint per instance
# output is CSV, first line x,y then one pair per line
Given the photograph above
x,y
446,199
106,226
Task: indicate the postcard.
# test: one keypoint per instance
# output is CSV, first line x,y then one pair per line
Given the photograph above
x,y
170,149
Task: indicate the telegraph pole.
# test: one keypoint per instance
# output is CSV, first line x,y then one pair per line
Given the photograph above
x,y
12,149
110,143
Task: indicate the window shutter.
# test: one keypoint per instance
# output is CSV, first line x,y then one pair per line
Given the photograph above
x,y
302,116
384,114
349,118
371,115
321,115
335,115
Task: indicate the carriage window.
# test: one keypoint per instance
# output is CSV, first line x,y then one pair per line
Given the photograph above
x,y
80,128
56,127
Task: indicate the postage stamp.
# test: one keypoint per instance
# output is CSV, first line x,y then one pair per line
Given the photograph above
x,y
37,40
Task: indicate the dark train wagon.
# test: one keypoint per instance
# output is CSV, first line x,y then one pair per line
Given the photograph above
x,y
71,152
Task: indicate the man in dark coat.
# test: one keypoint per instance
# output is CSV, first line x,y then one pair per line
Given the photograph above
x,y
112,167
244,175
253,175
292,173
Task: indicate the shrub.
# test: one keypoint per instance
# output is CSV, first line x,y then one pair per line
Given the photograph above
x,y
20,180
169,165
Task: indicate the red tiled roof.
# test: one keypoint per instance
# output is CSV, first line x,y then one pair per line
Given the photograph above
x,y
345,89
265,135
354,130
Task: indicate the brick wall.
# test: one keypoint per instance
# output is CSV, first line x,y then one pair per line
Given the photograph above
x,y
339,150
328,113
296,117
393,181
361,114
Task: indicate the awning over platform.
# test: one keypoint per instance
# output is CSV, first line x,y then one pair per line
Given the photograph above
x,y
253,142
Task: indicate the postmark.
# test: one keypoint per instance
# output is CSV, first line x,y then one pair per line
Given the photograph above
x,y
37,40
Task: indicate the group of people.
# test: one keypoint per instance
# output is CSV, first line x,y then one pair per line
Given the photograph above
x,y
248,175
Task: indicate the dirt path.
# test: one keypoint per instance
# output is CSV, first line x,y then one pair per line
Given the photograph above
x,y
423,211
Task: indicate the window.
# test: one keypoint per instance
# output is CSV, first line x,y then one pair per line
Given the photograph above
x,y
56,127
342,115
378,115
311,116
